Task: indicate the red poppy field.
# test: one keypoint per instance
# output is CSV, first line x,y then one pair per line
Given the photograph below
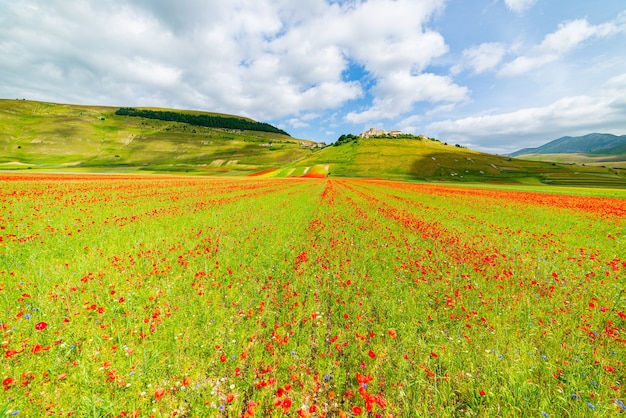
x,y
164,296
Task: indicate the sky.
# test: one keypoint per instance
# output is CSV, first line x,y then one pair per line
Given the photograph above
x,y
491,75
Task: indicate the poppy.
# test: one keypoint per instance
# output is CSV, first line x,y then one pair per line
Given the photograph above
x,y
158,394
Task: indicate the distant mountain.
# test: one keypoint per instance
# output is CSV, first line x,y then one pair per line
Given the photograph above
x,y
588,144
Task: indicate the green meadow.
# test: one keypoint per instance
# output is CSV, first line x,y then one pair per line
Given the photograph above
x,y
47,137
164,296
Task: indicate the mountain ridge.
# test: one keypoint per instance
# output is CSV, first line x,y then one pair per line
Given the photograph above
x,y
593,143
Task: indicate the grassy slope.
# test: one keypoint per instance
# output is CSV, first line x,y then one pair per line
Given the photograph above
x,y
46,135
432,160
607,160
92,138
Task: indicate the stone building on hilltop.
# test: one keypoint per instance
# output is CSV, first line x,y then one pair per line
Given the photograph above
x,y
372,133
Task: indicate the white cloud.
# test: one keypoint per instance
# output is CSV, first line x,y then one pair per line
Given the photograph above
x,y
262,58
144,70
481,58
397,93
574,114
557,44
519,6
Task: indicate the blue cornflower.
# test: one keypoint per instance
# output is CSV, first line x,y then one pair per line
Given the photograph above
x,y
544,414
590,405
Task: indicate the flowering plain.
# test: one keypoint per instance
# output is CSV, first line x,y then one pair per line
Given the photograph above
x,y
178,296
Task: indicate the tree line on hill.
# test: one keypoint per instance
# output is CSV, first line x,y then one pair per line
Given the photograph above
x,y
209,121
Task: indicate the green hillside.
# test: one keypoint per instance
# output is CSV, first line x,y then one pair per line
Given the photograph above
x,y
596,143
615,161
592,149
40,135
421,158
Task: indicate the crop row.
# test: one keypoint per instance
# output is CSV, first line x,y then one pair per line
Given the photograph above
x,y
172,296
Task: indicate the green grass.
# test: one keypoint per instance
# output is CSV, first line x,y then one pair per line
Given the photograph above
x,y
38,136
213,297
617,161
412,159
53,136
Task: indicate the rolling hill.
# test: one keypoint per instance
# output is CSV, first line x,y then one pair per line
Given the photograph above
x,y
428,159
592,149
40,136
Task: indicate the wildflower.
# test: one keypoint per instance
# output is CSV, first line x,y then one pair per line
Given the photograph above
x,y
356,410
544,414
286,404
590,406
482,392
40,326
158,394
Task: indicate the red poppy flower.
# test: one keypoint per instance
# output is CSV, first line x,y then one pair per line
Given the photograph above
x,y
286,404
158,394
40,326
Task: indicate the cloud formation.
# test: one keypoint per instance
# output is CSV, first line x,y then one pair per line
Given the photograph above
x,y
239,56
575,114
519,6
556,44
327,67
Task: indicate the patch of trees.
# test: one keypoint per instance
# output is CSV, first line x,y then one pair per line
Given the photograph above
x,y
209,121
344,139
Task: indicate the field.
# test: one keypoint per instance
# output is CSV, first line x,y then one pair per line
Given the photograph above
x,y
184,296
49,136
39,137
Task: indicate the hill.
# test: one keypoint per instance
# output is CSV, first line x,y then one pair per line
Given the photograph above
x,y
40,135
592,149
587,144
421,158
47,136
